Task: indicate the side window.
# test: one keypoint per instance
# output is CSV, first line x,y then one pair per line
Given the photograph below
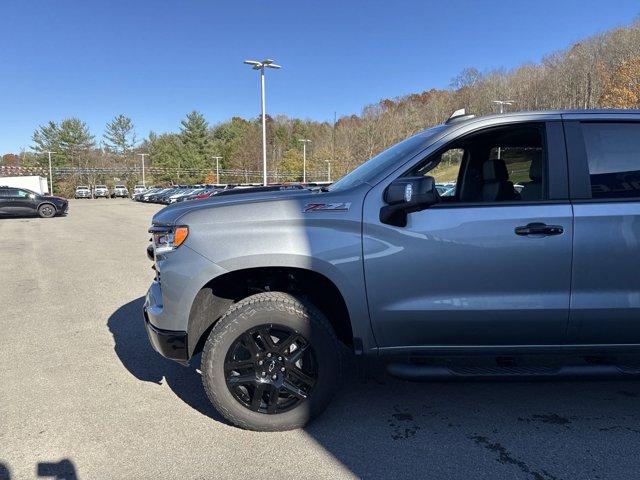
x,y
613,153
4,192
22,193
446,171
501,164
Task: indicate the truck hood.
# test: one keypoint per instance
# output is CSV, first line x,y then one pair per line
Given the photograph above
x,y
171,214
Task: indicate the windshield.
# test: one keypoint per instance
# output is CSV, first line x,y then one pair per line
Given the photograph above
x,y
378,164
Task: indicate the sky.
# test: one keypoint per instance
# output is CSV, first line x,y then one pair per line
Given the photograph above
x,y
156,60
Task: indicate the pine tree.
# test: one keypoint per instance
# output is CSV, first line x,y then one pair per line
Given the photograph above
x,y
119,135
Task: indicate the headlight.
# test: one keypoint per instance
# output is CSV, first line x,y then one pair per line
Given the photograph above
x,y
168,238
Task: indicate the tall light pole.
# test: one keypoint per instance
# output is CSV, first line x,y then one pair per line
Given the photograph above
x,y
266,63
50,172
304,158
502,103
328,170
143,155
217,159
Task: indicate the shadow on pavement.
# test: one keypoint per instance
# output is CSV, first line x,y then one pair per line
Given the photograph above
x,y
62,470
135,352
381,427
5,473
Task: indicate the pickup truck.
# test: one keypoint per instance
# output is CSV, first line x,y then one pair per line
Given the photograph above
x,y
489,281
101,191
120,191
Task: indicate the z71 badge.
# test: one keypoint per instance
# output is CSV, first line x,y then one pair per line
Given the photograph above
x,y
327,207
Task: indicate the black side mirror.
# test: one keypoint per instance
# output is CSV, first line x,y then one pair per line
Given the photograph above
x,y
406,195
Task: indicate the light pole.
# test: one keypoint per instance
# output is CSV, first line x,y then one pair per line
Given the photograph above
x,y
266,63
50,172
328,170
304,158
143,155
217,159
502,103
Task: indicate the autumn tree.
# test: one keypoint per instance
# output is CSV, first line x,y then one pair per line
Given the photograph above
x,y
622,88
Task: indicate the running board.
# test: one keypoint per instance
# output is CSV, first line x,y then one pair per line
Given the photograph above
x,y
409,371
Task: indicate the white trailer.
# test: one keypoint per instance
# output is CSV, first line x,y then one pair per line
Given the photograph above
x,y
34,183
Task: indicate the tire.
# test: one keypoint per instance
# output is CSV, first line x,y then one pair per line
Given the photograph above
x,y
46,210
321,354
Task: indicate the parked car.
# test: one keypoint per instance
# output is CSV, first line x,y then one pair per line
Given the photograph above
x,y
83,191
101,191
138,189
146,196
120,191
22,202
273,286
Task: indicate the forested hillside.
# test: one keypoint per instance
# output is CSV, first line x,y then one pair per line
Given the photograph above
x,y
602,71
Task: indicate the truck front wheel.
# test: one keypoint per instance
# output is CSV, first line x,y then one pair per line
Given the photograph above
x,y
272,362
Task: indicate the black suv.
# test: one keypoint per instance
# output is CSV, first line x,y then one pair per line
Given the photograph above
x,y
23,202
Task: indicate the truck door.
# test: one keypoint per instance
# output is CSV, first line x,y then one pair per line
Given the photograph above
x,y
604,168
491,264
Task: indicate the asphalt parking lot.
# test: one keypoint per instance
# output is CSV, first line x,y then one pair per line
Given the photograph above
x,y
83,395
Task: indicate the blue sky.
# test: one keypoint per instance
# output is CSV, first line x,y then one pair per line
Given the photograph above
x,y
157,60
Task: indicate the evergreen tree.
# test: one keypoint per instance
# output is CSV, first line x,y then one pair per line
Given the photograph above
x,y
119,135
67,139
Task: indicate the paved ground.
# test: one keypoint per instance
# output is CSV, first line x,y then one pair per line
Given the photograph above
x,y
82,395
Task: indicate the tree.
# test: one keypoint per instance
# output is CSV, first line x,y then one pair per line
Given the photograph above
x,y
119,135
194,135
74,139
622,89
68,140
46,138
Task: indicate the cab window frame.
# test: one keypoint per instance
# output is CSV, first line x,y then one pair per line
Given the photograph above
x,y
555,165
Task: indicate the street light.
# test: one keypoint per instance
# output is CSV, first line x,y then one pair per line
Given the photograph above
x,y
304,158
266,63
502,103
217,159
50,172
143,155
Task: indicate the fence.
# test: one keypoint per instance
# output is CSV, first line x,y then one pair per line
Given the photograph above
x,y
172,175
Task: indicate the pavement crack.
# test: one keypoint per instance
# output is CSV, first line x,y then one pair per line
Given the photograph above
x,y
506,458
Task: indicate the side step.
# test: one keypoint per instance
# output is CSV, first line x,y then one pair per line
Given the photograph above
x,y
417,372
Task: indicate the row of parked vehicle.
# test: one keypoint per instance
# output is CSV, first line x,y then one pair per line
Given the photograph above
x,y
182,193
102,191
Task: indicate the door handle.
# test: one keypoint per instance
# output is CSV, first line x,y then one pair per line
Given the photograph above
x,y
539,229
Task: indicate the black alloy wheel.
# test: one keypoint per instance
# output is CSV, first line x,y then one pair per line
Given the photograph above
x,y
271,369
46,210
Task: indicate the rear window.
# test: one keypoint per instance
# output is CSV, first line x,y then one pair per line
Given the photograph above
x,y
613,153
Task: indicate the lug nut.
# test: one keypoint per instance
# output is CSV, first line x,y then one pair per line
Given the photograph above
x,y
282,369
260,362
274,377
279,359
264,374
269,354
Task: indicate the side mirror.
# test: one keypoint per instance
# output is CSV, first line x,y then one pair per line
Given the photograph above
x,y
406,195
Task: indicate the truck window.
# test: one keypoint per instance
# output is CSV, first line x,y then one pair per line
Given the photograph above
x,y
613,154
496,165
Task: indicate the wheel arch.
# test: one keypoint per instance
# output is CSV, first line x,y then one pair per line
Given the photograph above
x,y
47,202
217,295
